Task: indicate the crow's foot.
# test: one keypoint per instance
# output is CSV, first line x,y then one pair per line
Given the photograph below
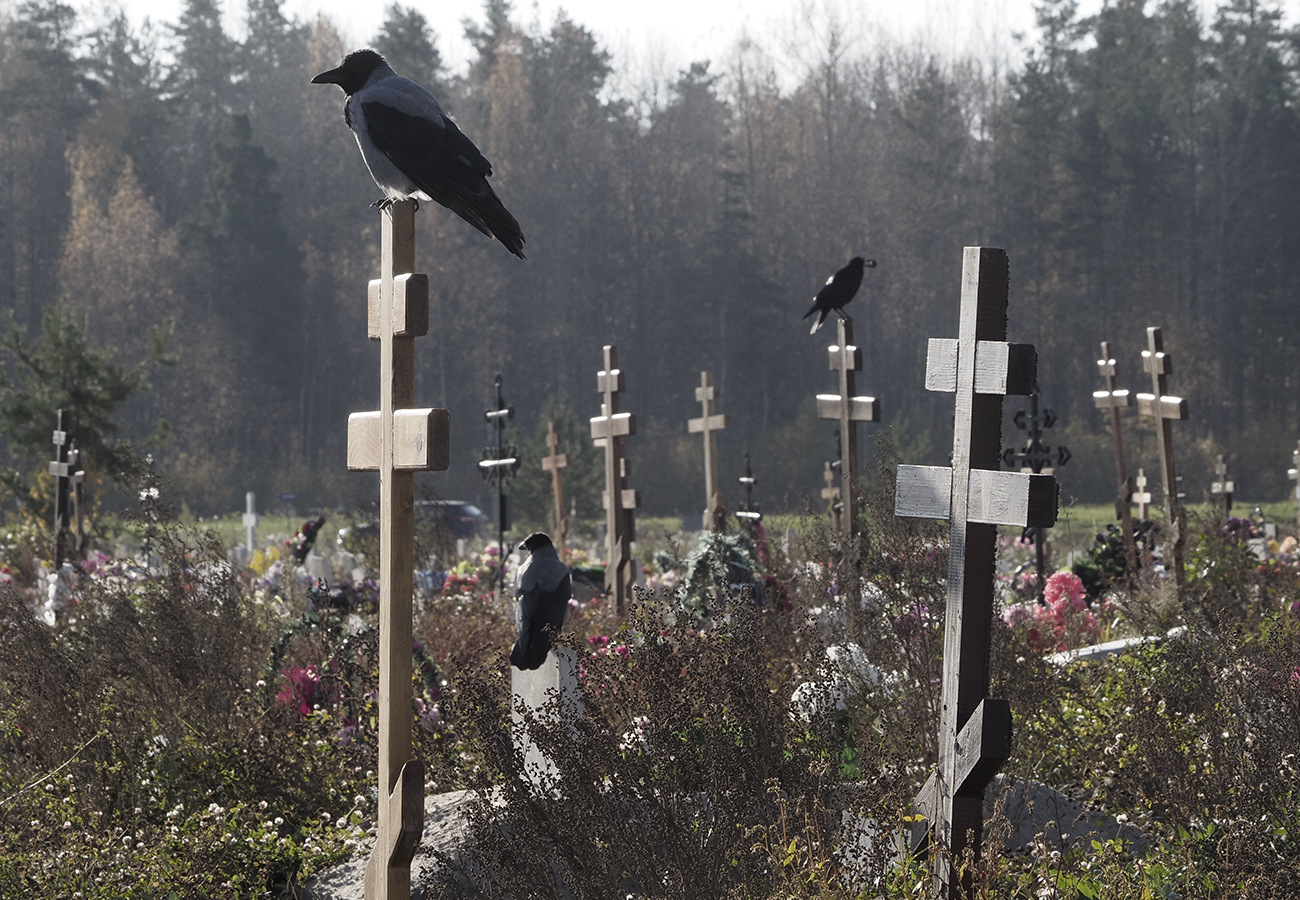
x,y
382,203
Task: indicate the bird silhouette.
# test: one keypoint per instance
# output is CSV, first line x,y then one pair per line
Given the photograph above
x,y
414,150
839,289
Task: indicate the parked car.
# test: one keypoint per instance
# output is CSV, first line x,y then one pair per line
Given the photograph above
x,y
457,518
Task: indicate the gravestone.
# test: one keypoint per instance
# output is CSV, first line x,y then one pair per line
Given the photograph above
x,y
1165,408
62,469
848,409
531,691
397,441
250,521
499,464
709,424
1117,401
553,463
610,431
1222,489
1142,497
979,367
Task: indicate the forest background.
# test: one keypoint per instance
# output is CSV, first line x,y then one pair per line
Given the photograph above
x,y
1141,166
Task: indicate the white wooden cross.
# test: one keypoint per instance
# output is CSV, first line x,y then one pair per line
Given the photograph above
x,y
1293,473
974,729
831,493
553,463
250,520
1160,405
1117,401
1222,489
1142,497
709,424
397,441
848,409
611,430
61,468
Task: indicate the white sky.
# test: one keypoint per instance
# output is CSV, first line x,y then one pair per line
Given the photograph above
x,y
666,35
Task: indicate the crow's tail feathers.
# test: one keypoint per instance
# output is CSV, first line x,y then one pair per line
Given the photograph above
x,y
818,323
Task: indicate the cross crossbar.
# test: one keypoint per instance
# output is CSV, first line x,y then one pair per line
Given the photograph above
x,y
1000,368
994,497
421,440
410,310
401,829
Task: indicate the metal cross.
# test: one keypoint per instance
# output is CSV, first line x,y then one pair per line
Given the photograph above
x,y
61,468
553,463
848,409
749,511
499,464
610,430
1164,408
709,424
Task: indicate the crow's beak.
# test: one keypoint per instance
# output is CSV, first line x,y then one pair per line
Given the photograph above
x,y
330,77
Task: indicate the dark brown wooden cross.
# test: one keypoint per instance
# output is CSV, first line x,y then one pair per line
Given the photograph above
x,y
709,424
1222,489
1117,401
831,494
61,468
1165,408
1293,473
1142,497
553,463
975,497
848,409
610,430
397,441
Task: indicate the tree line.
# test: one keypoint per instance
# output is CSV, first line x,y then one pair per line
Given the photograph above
x,y
1141,166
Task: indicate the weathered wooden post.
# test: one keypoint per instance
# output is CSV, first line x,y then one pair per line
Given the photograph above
x,y
1142,497
250,521
1116,401
1222,489
1293,473
831,494
397,441
61,468
498,465
611,430
848,409
1165,408
709,424
553,463
974,729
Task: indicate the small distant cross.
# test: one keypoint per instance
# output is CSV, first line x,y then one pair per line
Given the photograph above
x,y
1293,473
610,431
848,409
749,511
974,729
1165,408
498,465
1222,489
1116,401
250,520
1142,497
62,469
553,463
709,424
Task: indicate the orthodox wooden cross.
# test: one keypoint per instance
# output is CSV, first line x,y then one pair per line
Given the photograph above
x,y
1117,401
1142,497
974,729
848,409
499,464
1165,408
1222,489
1293,473
62,468
397,441
831,493
709,424
749,511
553,463
250,520
610,430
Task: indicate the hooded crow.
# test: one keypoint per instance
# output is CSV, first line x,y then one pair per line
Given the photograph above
x,y
839,289
414,150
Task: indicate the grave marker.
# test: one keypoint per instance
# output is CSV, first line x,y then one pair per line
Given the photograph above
x,y
397,441
1142,497
1036,457
610,430
1165,408
848,409
553,463
77,493
1116,401
499,464
831,493
749,513
1294,473
250,520
1222,489
61,468
709,424
980,367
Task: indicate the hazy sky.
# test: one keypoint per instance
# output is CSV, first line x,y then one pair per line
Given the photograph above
x,y
668,34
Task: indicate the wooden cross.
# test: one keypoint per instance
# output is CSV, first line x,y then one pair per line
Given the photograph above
x,y
61,468
831,493
848,409
77,489
250,520
709,424
499,464
1142,497
553,464
1165,408
610,430
397,441
976,497
1117,401
1222,489
1293,473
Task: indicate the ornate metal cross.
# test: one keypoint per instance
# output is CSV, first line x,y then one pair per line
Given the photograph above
x,y
974,729
749,511
1165,408
709,424
553,463
611,430
848,409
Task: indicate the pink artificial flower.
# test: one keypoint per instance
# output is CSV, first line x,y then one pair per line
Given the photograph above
x,y
1066,587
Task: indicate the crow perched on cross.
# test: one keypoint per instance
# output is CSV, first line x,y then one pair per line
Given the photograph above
x,y
839,289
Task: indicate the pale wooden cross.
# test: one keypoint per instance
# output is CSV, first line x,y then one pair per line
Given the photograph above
x,y
709,424
1165,408
1293,473
976,497
1222,489
553,463
1142,497
848,409
831,493
397,441
250,520
61,468
1117,400
611,430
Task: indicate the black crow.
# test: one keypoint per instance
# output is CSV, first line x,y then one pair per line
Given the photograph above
x,y
542,592
839,289
414,150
